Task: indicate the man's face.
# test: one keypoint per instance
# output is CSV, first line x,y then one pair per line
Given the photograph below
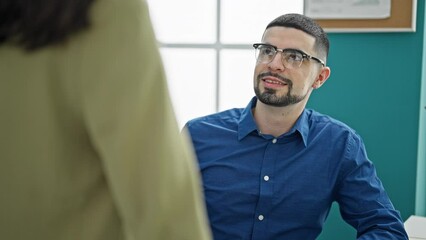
x,y
276,85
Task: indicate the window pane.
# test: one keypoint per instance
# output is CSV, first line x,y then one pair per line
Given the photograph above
x,y
236,78
191,75
243,22
184,21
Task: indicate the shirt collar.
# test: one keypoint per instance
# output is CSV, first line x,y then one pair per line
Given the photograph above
x,y
247,125
302,126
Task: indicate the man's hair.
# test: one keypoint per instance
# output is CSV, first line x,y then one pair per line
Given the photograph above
x,y
34,24
306,25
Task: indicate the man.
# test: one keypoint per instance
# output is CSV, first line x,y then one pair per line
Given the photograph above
x,y
272,170
90,145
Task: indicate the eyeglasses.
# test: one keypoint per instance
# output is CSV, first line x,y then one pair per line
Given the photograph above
x,y
291,58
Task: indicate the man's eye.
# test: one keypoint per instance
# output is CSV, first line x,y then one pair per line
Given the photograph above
x,y
294,56
267,51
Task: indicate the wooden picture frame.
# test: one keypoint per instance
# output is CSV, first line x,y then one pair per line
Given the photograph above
x,y
402,19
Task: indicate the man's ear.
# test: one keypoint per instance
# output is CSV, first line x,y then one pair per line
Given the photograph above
x,y
322,77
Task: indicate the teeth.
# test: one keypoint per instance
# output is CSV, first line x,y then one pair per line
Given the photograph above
x,y
273,82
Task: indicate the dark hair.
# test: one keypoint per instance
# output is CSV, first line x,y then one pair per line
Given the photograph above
x,y
307,25
34,24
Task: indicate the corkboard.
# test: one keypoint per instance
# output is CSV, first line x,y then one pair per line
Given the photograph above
x,y
402,19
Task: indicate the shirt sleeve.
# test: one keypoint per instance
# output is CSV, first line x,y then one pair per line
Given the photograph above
x,y
362,199
148,164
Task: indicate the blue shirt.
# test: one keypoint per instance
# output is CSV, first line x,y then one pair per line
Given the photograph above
x,y
259,187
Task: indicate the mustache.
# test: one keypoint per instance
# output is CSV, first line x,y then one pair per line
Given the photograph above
x,y
266,74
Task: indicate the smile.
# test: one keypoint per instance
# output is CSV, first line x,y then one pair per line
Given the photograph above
x,y
273,82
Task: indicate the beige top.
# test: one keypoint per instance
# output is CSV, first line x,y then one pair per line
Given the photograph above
x,y
90,148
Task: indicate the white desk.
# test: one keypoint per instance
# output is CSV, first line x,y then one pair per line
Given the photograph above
x,y
416,227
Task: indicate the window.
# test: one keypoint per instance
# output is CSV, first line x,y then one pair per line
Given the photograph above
x,y
207,49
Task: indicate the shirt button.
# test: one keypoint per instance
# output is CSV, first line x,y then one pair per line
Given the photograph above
x,y
274,140
266,178
261,217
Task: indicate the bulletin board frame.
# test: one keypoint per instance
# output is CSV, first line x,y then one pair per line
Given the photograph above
x,y
402,19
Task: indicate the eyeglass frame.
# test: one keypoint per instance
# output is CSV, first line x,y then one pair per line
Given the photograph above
x,y
304,55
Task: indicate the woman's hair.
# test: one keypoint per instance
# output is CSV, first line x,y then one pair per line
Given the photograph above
x,y
34,24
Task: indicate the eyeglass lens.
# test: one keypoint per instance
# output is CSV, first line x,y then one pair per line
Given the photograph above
x,y
290,58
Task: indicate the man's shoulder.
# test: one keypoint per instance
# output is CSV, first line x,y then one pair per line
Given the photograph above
x,y
336,133
319,120
230,116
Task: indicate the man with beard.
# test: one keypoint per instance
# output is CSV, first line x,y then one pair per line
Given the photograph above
x,y
273,169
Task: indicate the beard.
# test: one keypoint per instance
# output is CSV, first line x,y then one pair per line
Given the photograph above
x,y
269,96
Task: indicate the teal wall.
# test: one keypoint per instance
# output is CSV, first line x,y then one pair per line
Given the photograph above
x,y
421,162
375,88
